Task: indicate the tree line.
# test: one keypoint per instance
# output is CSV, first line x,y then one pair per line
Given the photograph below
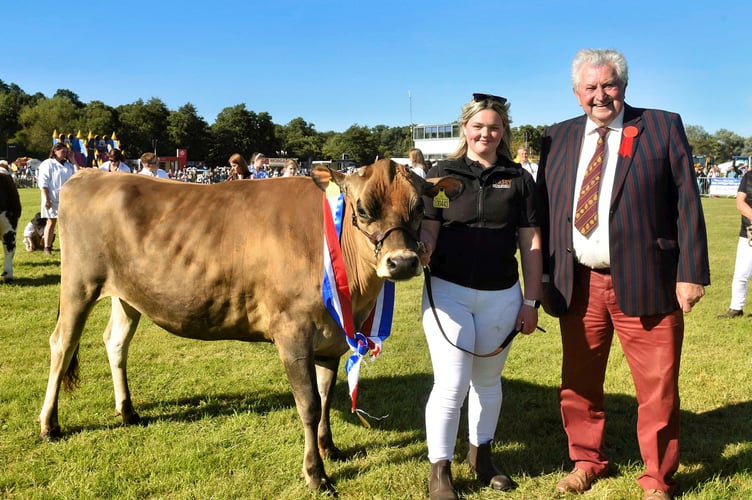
x,y
28,121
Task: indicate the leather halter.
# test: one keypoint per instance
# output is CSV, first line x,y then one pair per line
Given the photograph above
x,y
378,237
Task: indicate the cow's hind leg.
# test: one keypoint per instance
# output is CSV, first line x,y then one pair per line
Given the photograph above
x,y
117,338
297,357
326,377
64,343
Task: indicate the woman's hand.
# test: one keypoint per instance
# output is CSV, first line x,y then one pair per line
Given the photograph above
x,y
527,319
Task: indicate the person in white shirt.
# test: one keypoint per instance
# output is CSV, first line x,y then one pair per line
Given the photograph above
x,y
51,175
531,167
34,233
417,162
115,163
150,166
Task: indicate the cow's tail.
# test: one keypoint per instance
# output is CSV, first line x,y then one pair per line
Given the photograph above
x,y
71,377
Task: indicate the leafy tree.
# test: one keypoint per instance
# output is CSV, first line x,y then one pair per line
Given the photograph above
x,y
726,144
533,142
701,142
299,139
143,127
12,99
747,146
232,131
39,121
357,142
188,130
99,119
71,96
392,142
263,136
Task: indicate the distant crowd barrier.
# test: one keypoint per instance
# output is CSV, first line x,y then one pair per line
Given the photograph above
x,y
718,186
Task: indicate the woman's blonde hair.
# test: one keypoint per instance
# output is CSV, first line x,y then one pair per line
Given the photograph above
x,y
474,107
416,157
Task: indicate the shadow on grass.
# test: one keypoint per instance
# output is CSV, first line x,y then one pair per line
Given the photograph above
x,y
529,439
194,408
45,280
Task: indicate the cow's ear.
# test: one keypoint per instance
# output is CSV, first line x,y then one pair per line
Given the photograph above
x,y
451,186
323,175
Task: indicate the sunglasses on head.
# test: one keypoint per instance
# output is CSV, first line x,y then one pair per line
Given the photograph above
x,y
489,97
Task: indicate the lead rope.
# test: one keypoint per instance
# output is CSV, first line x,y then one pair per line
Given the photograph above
x,y
504,344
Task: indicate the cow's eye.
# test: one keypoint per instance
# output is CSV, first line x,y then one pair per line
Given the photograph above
x,y
420,207
362,212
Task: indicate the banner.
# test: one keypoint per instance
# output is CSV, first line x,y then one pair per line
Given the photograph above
x,y
724,186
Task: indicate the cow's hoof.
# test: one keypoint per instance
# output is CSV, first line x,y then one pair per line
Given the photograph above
x,y
51,435
332,453
131,418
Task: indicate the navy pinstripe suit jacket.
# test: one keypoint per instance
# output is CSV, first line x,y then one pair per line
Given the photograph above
x,y
656,224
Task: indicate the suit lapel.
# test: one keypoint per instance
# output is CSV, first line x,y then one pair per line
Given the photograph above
x,y
623,163
574,145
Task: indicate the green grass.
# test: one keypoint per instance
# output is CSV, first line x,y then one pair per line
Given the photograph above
x,y
221,421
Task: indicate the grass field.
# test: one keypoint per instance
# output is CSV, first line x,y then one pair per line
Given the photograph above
x,y
221,421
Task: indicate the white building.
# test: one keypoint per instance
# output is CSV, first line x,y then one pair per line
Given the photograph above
x,y
437,141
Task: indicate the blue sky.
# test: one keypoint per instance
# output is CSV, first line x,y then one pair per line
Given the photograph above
x,y
339,63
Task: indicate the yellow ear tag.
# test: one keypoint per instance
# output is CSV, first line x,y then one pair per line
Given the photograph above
x,y
441,200
333,190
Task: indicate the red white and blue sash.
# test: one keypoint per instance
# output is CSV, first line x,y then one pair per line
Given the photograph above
x,y
336,294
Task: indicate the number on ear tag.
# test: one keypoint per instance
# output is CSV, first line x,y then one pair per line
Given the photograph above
x,y
441,200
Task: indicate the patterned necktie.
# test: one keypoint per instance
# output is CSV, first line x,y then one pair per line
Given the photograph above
x,y
586,216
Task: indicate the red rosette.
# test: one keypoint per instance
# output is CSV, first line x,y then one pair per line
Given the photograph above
x,y
628,135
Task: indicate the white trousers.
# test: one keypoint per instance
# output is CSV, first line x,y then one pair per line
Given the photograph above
x,y
479,321
742,272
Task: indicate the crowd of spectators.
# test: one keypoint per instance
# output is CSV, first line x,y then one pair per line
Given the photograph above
x,y
24,172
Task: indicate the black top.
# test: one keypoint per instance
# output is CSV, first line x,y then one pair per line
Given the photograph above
x,y
477,241
745,187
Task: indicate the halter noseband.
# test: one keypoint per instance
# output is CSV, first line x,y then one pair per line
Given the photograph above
x,y
378,238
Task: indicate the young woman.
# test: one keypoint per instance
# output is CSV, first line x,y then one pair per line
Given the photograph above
x,y
471,244
238,168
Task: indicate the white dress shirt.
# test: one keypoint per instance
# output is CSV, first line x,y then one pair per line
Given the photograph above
x,y
593,250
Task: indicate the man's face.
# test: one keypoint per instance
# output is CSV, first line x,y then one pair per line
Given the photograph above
x,y
600,94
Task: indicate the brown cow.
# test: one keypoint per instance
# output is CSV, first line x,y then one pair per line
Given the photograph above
x,y
152,245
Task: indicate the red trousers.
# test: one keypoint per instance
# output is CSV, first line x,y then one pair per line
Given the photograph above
x,y
652,347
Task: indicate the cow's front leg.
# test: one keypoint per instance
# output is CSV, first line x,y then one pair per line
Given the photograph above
x,y
326,377
297,358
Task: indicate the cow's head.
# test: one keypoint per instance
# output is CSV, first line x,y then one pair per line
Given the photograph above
x,y
386,207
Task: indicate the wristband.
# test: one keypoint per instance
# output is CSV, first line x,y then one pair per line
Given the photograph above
x,y
531,303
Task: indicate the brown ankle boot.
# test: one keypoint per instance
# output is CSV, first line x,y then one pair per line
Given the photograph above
x,y
440,483
480,461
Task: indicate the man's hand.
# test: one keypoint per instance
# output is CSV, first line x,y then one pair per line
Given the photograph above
x,y
688,294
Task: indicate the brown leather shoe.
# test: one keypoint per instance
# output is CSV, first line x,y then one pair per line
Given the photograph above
x,y
656,495
731,313
578,481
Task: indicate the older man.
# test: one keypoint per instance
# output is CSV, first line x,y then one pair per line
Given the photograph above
x,y
624,231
